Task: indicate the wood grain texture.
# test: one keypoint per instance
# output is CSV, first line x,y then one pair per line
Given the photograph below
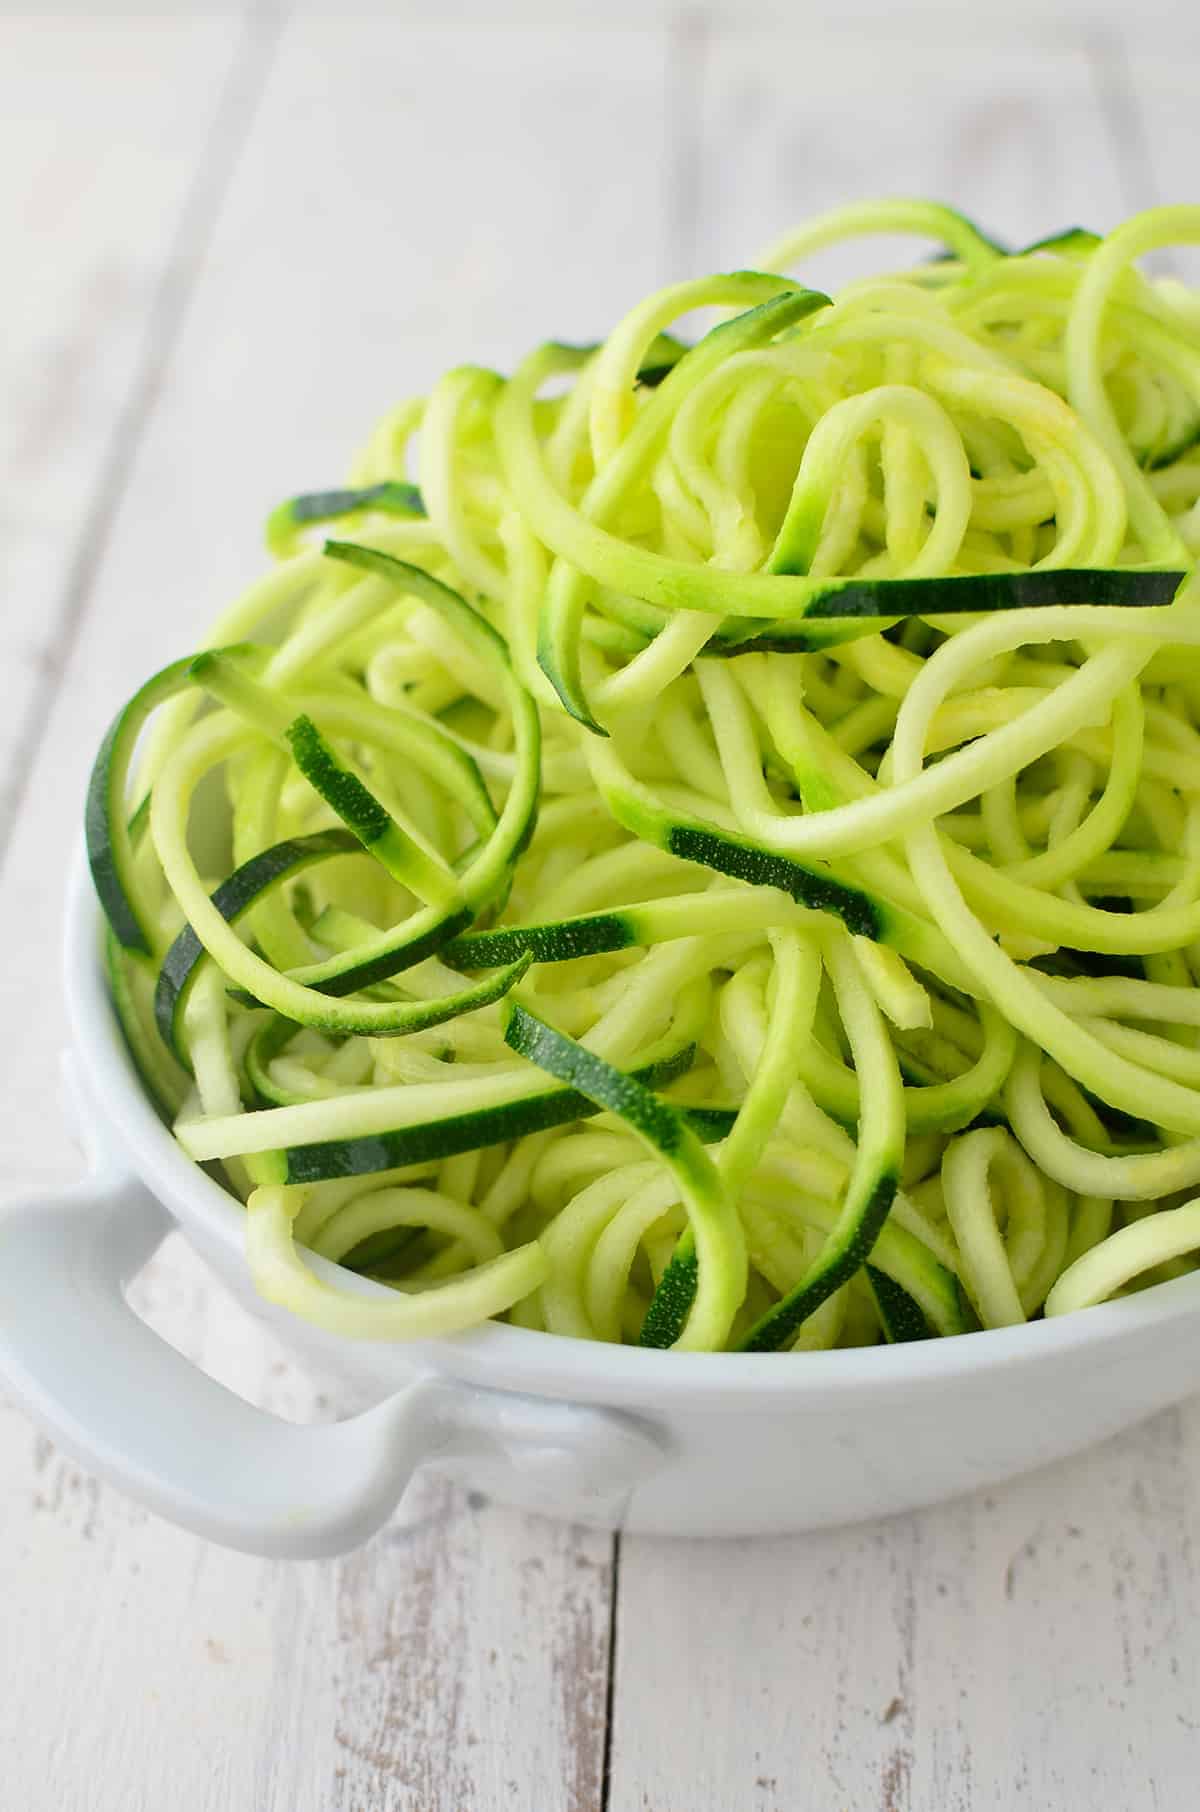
x,y
1029,1647
410,199
473,1658
786,126
459,1660
385,198
103,188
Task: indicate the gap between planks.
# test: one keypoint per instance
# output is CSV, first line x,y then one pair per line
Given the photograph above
x,y
231,129
234,126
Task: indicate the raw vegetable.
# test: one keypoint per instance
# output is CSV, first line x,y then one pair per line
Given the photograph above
x,y
711,857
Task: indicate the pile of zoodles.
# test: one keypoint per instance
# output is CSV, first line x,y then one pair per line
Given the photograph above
x,y
707,854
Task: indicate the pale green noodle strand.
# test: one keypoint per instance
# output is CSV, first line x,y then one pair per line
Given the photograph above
x,y
697,841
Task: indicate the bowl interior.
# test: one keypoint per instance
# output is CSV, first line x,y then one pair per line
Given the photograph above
x,y
519,1357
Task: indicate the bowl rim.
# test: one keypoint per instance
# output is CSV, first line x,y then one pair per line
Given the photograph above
x,y
555,1363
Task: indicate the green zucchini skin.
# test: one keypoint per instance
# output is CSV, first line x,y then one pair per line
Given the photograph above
x,y
347,795
601,932
364,815
745,861
428,931
821,889
611,1090
346,974
104,819
341,790
323,506
1066,239
270,868
692,840
711,1209
558,655
166,1082
995,246
235,896
596,934
901,1317
446,1138
1070,239
270,1038
110,834
662,356
390,498
1167,455
708,1123
672,1301
784,1320
962,594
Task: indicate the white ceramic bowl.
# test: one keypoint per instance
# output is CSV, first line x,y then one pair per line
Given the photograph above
x,y
671,1443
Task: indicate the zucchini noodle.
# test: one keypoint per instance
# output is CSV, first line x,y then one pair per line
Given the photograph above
x,y
707,853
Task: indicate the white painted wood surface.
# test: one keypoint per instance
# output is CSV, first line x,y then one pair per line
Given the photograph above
x,y
231,242
102,196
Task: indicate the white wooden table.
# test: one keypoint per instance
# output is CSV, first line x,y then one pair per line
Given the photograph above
x,y
230,240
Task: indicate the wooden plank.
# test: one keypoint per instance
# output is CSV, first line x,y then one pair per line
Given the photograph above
x,y
102,122
460,1660
1033,1646
472,1662
395,210
411,200
787,124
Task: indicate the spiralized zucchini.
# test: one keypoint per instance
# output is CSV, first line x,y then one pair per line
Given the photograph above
x,y
710,855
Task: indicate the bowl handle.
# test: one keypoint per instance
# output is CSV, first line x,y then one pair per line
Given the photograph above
x,y
133,1410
